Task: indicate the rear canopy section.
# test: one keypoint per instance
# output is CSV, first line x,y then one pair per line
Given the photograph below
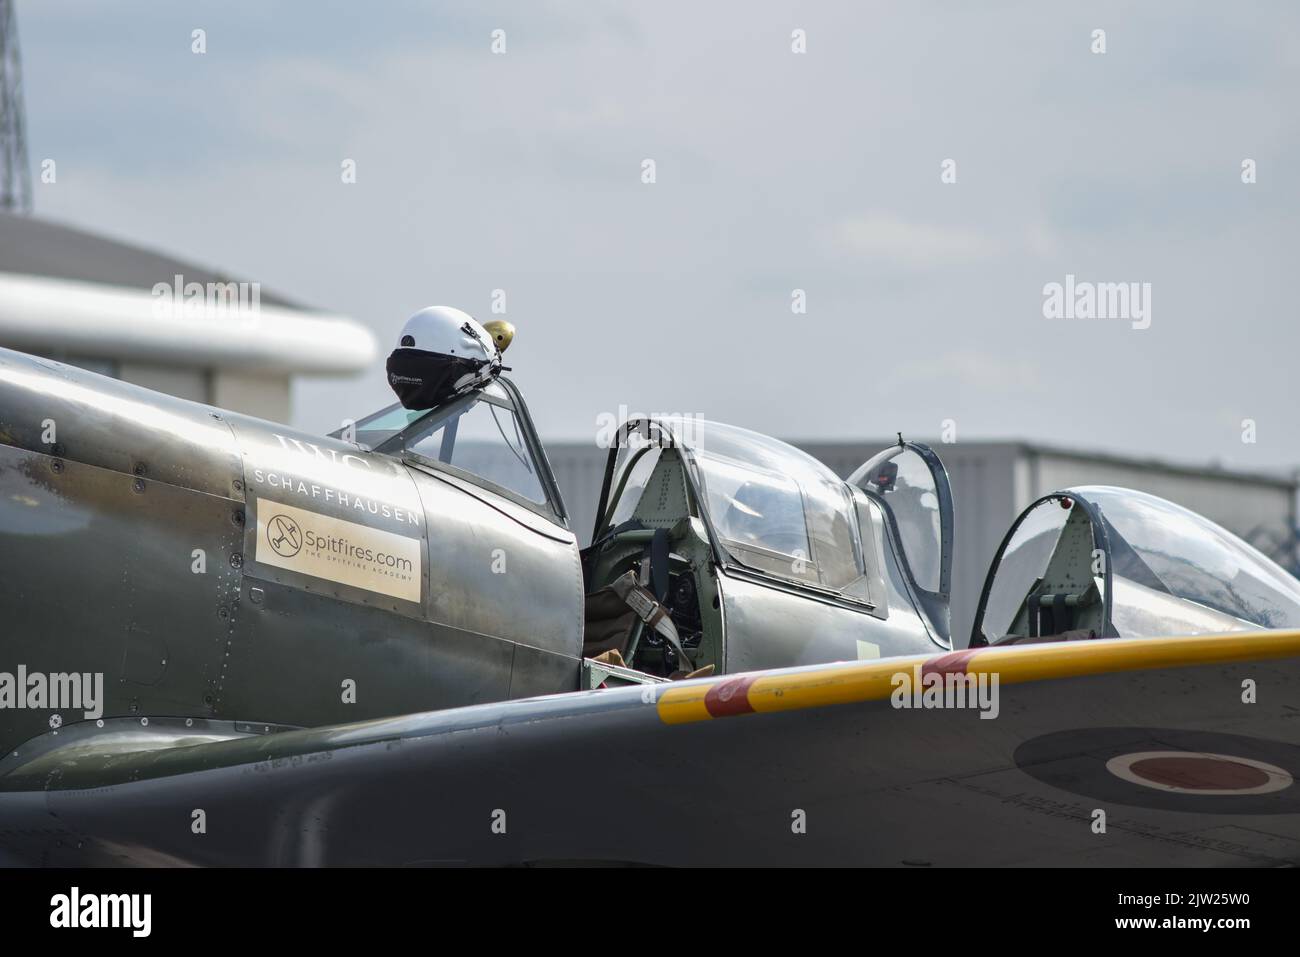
x,y
1104,562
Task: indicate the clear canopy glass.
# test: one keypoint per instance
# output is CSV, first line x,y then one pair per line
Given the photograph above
x,y
1022,563
1172,571
902,482
774,507
479,434
377,428
1162,547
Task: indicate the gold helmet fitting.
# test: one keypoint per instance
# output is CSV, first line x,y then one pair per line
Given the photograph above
x,y
502,333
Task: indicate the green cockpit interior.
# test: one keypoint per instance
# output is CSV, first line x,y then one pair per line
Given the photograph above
x,y
654,530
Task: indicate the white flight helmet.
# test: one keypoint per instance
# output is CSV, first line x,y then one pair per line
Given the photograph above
x,y
441,353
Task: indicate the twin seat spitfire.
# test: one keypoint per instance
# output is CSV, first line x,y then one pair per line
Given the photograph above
x,y
250,593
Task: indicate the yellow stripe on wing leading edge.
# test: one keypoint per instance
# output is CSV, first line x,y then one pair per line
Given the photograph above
x,y
873,681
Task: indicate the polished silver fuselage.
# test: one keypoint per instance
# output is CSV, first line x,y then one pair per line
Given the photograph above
x,y
129,547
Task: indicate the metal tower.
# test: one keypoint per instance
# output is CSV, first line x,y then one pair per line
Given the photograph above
x,y
15,177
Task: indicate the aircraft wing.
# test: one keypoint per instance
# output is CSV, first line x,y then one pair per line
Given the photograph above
x,y
1185,749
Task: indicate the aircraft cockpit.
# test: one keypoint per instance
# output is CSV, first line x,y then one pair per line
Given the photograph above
x,y
482,437
1103,562
757,551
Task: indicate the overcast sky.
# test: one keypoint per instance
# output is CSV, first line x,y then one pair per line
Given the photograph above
x,y
775,171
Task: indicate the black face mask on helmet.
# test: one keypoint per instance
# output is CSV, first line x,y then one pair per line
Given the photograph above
x,y
425,380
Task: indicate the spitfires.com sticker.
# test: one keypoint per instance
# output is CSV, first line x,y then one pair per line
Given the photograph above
x,y
313,544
